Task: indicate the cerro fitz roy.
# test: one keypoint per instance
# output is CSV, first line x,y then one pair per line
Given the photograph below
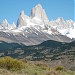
x,y
36,28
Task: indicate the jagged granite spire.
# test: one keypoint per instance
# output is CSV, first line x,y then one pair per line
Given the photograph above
x,y
39,12
13,26
21,20
5,24
22,13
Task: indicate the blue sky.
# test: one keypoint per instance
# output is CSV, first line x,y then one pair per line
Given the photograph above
x,y
10,9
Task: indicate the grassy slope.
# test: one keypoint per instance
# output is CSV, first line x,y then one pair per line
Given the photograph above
x,y
47,48
31,68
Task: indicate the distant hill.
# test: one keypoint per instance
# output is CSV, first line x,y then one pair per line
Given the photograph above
x,y
48,51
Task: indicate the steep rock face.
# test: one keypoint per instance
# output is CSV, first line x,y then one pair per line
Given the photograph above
x,y
13,26
39,12
31,37
62,26
21,20
4,24
37,28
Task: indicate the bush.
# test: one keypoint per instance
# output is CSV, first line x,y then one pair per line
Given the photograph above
x,y
11,64
60,68
42,65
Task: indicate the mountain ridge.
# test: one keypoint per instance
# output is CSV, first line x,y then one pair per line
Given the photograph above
x,y
48,51
30,29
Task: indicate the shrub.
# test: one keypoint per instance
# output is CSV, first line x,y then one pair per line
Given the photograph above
x,y
11,64
59,68
42,65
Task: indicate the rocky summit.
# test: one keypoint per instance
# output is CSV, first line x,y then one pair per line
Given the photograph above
x,y
37,28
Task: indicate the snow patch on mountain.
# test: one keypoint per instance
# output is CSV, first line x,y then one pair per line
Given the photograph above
x,y
37,28
64,27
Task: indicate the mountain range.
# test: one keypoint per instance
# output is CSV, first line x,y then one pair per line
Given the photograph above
x,y
37,38
52,52
37,28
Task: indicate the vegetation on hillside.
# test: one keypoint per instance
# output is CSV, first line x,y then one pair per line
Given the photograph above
x,y
10,66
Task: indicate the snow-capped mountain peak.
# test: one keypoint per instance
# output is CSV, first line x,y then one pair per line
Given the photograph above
x,y
22,14
38,5
61,19
13,26
36,28
5,20
4,25
21,20
39,12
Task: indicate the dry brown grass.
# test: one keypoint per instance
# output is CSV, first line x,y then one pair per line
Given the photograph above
x,y
11,64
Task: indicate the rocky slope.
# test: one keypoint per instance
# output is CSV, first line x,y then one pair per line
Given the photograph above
x,y
36,28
